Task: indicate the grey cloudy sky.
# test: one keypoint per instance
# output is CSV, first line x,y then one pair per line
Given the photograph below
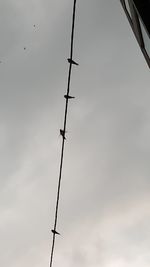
x,y
104,215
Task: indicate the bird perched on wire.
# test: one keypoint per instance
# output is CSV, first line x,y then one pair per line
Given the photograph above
x,y
72,61
55,232
62,133
68,97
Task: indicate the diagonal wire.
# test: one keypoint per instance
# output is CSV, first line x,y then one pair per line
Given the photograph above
x,y
64,130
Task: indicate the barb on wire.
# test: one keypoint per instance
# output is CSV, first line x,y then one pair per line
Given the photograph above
x,y
63,131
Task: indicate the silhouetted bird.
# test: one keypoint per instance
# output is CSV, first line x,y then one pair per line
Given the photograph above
x,y
68,97
62,133
34,25
72,61
24,48
55,232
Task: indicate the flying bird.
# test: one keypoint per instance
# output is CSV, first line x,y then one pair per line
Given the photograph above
x,y
62,133
72,61
55,232
68,97
24,48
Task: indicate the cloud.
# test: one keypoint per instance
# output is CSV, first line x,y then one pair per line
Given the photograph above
x,y
104,211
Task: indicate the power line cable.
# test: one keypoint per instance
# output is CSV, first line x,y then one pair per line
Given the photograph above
x,y
62,132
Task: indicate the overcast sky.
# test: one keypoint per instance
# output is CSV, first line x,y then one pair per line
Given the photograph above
x,y
104,214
